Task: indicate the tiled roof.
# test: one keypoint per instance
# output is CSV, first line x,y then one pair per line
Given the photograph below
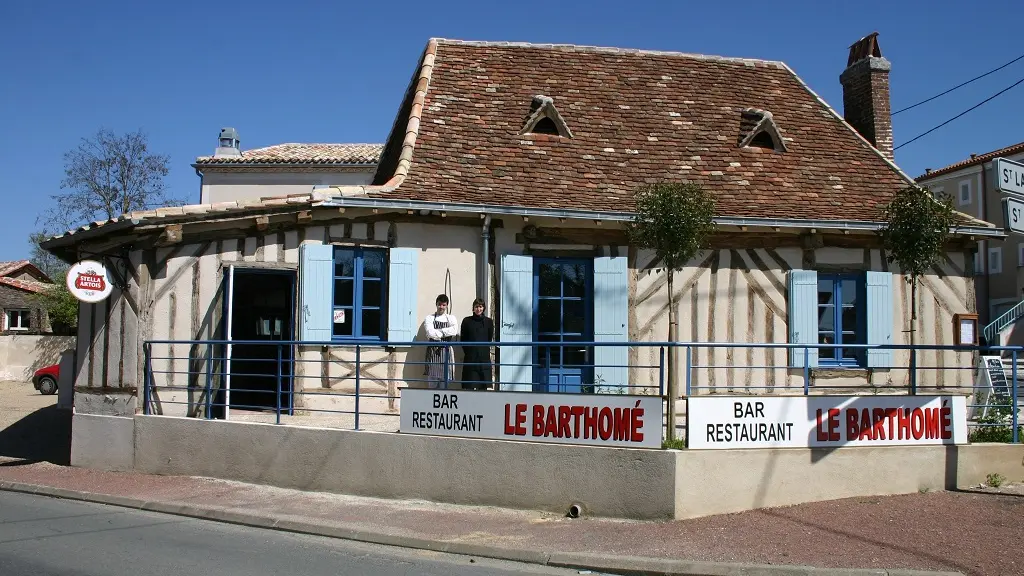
x,y
304,154
28,285
636,117
12,266
980,158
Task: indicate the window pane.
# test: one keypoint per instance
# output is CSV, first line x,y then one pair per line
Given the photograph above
x,y
344,262
573,316
343,292
849,292
373,264
826,318
550,280
372,293
549,316
343,328
826,289
849,320
574,283
371,322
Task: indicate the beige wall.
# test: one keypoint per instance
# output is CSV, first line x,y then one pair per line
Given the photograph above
x,y
21,356
232,186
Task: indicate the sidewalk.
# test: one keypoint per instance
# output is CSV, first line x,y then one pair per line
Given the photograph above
x,y
970,533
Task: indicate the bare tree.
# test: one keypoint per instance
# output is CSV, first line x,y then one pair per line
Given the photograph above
x,y
106,176
52,266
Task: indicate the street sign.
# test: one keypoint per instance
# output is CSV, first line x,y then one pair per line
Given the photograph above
x,y
1009,176
1013,214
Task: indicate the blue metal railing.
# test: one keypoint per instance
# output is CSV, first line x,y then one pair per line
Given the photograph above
x,y
992,330
261,377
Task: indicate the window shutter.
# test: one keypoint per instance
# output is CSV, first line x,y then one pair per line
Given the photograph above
x,y
878,286
611,323
316,276
803,316
402,289
516,372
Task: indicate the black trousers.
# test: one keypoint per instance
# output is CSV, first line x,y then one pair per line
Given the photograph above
x,y
476,377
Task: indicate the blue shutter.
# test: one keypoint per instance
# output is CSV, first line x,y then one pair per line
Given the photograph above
x,y
803,316
611,323
516,371
878,286
316,277
403,322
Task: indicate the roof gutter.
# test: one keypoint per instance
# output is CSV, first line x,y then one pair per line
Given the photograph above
x,y
76,237
209,165
457,207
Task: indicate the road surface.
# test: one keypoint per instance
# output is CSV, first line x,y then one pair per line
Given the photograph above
x,y
41,536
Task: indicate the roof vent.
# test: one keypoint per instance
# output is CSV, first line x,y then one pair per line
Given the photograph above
x,y
545,119
758,130
227,143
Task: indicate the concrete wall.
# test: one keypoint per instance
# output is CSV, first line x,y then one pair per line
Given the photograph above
x,y
232,186
614,482
22,355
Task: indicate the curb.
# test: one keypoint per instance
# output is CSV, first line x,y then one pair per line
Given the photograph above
x,y
631,565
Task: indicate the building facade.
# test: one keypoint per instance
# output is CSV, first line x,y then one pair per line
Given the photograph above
x,y
21,283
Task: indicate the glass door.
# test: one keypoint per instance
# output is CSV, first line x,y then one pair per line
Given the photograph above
x,y
562,315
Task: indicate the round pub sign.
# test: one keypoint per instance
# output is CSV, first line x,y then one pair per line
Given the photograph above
x,y
87,281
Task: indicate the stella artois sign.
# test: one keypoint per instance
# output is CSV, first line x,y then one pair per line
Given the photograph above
x,y
88,281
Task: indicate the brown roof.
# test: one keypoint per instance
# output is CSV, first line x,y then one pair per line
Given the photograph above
x,y
978,159
304,154
636,116
27,285
10,267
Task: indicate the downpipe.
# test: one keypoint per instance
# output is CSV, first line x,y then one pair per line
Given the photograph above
x,y
485,240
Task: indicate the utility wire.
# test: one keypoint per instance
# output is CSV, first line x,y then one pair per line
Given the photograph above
x,y
958,86
1014,85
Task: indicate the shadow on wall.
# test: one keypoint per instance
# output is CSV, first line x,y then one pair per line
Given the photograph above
x,y
413,369
47,350
42,436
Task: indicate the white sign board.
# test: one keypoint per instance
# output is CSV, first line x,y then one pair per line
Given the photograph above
x,y
1009,176
88,281
723,422
599,419
1013,214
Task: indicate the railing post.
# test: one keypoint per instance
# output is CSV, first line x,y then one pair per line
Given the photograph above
x,y
689,371
661,372
358,350
913,371
446,367
807,370
1013,401
146,377
278,383
209,379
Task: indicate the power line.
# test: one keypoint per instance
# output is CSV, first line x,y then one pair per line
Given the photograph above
x,y
958,86
1014,85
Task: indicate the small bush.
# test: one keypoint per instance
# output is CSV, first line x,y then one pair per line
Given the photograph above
x,y
995,480
674,444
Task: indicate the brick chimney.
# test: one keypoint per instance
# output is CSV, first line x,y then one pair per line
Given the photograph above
x,y
866,93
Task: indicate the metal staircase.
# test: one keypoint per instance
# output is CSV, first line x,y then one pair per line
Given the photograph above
x,y
994,328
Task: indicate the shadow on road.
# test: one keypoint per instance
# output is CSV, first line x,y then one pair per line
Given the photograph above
x,y
42,436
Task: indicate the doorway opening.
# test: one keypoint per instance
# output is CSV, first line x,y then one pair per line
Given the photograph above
x,y
562,315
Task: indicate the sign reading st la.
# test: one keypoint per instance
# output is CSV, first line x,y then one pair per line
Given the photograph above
x,y
1009,176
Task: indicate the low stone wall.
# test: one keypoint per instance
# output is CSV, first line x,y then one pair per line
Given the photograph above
x,y
22,355
612,482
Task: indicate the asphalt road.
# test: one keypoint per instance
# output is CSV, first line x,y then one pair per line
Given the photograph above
x,y
41,536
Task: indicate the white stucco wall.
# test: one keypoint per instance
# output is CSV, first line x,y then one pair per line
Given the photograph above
x,y
229,187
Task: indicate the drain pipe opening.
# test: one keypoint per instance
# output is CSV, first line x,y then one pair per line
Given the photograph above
x,y
574,511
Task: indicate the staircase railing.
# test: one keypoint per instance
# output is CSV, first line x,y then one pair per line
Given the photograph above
x,y
1007,318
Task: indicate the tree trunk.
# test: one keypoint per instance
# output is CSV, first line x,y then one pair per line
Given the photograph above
x,y
673,381
913,309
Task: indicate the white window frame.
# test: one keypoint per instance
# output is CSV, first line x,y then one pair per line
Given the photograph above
x,y
995,260
8,319
964,185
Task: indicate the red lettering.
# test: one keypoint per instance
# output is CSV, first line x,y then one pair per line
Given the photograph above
x,y
877,424
833,424
563,422
917,423
538,420
904,423
510,430
551,429
822,434
852,431
890,415
604,423
621,431
520,419
947,423
636,422
865,425
577,416
590,423
931,423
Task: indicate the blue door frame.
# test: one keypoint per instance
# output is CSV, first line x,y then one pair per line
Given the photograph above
x,y
563,305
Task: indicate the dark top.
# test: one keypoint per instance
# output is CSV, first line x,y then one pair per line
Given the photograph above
x,y
477,329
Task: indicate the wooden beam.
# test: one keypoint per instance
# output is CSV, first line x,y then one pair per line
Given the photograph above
x,y
262,222
170,235
306,216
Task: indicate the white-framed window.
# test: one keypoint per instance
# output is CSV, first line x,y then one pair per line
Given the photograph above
x,y
965,192
17,319
995,260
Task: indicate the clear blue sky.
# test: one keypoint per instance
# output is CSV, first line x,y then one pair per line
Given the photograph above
x,y
302,71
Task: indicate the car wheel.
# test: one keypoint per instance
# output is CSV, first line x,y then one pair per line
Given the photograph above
x,y
47,385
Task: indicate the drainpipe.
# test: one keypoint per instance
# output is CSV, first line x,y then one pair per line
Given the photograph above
x,y
983,249
485,237
200,174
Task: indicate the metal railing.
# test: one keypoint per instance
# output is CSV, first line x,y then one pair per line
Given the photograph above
x,y
992,330
356,385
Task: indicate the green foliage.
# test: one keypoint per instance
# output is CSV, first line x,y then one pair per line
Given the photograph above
x,y
60,305
918,225
673,219
674,444
996,425
995,480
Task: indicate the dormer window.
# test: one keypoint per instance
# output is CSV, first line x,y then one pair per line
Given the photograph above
x,y
545,119
758,130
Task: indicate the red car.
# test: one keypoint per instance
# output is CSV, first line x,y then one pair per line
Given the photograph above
x,y
45,379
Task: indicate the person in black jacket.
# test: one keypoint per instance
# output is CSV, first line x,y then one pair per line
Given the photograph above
x,y
476,368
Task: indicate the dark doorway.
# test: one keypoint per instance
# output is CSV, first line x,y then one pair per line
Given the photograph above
x,y
262,310
564,298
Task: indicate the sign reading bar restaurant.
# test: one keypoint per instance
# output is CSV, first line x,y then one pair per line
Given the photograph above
x,y
605,420
87,280
825,421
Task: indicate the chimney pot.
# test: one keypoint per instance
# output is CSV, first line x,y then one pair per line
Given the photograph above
x,y
973,156
866,93
927,170
227,143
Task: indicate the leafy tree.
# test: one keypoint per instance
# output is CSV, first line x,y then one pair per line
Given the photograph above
x,y
918,225
49,264
61,306
675,220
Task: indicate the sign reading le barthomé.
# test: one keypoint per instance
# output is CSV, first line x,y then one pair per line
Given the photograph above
x,y
825,421
608,420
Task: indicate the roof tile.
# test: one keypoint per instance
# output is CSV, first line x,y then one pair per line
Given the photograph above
x,y
305,154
